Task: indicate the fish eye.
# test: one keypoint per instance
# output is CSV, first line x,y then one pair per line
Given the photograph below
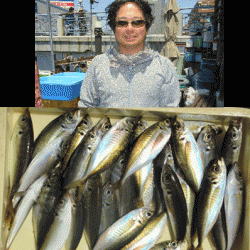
x,y
70,117
122,161
61,202
92,135
108,192
89,147
216,169
85,122
234,135
81,133
23,119
174,244
168,177
65,145
106,126
177,125
149,214
208,137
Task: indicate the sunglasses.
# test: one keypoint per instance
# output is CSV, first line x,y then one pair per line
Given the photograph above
x,y
135,23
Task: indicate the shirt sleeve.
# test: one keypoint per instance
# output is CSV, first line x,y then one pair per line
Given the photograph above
x,y
170,92
89,96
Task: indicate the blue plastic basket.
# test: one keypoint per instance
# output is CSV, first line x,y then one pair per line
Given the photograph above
x,y
61,87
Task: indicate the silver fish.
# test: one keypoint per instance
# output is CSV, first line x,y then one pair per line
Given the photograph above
x,y
23,140
64,125
60,228
83,127
217,236
175,202
78,163
149,235
24,207
77,221
42,163
233,203
232,143
109,149
210,198
92,203
187,154
124,230
147,147
45,205
207,144
110,210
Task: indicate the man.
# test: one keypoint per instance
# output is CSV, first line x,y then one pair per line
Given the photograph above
x,y
130,74
69,22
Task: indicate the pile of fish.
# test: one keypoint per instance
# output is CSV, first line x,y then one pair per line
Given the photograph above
x,y
119,186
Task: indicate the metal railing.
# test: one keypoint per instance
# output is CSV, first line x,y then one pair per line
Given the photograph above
x,y
77,24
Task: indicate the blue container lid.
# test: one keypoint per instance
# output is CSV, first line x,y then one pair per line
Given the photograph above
x,y
64,79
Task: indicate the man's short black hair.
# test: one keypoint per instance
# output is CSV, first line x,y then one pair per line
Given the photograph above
x,y
113,8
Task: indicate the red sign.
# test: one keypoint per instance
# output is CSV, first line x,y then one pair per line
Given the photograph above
x,y
63,3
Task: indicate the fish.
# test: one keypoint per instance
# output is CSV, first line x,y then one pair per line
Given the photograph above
x,y
60,228
23,140
24,207
78,163
83,127
124,229
210,198
41,164
207,144
169,245
110,210
77,222
190,201
92,205
64,125
109,149
46,202
232,143
187,154
147,147
175,202
233,203
145,181
217,236
149,235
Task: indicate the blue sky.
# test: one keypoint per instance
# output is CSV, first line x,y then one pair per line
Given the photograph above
x,y
104,3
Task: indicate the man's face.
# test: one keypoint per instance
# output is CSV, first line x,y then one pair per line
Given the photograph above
x,y
130,39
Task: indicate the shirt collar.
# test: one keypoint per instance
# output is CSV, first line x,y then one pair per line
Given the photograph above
x,y
117,58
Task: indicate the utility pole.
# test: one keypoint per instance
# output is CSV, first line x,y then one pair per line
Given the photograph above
x,y
50,35
91,3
